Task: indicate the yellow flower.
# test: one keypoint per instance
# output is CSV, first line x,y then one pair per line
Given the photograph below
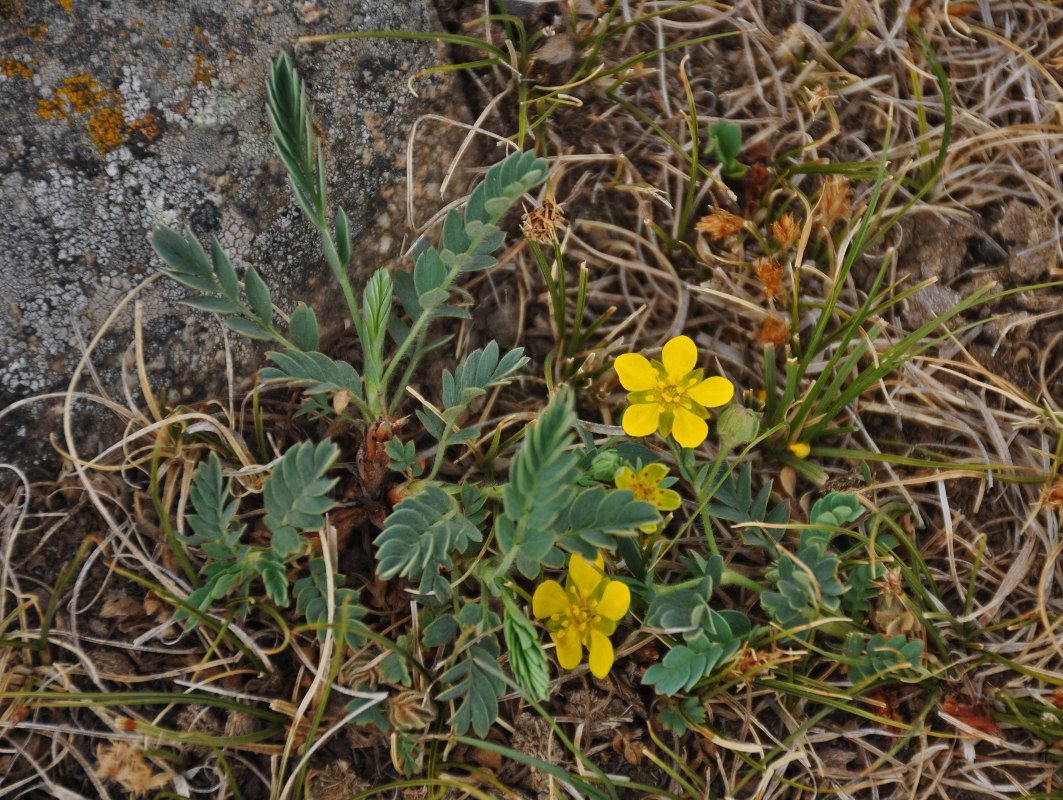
x,y
646,484
800,449
582,614
670,395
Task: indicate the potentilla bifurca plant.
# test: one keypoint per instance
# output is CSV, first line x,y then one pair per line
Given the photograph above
x,y
480,563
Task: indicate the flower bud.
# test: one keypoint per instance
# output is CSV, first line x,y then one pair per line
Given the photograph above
x,y
736,425
605,465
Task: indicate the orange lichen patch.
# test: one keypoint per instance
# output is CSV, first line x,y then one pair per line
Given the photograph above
x,y
66,4
770,273
146,129
202,75
77,95
106,127
775,330
10,67
9,9
35,32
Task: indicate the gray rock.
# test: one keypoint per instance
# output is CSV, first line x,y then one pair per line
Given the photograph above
x,y
118,115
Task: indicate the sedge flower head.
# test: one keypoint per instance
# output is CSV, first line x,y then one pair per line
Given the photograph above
x,y
646,485
582,614
670,395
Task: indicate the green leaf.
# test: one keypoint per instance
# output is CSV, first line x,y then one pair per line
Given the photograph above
x,y
474,682
541,487
303,328
212,304
420,537
258,296
343,237
274,577
676,716
251,329
527,659
442,630
836,510
895,658
223,269
598,515
295,494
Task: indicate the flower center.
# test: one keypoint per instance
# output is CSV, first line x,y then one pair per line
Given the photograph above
x,y
581,616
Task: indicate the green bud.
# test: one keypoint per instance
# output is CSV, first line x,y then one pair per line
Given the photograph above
x,y
736,425
605,465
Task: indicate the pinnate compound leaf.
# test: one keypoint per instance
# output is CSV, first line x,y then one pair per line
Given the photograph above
x,y
296,494
215,509
311,600
527,659
187,260
419,538
684,665
598,515
319,372
541,486
476,684
480,371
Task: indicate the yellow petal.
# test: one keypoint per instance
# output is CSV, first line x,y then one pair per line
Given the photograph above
x,y
688,429
654,473
635,372
584,575
680,356
800,449
668,500
600,656
641,419
549,599
624,478
615,600
712,392
569,648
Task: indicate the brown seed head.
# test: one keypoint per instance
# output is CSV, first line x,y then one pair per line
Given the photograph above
x,y
785,230
834,203
770,273
719,224
541,224
775,330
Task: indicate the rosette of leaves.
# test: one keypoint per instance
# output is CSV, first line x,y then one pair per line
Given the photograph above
x,y
878,658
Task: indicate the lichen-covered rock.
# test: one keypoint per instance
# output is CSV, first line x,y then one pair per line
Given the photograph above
x,y
117,116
